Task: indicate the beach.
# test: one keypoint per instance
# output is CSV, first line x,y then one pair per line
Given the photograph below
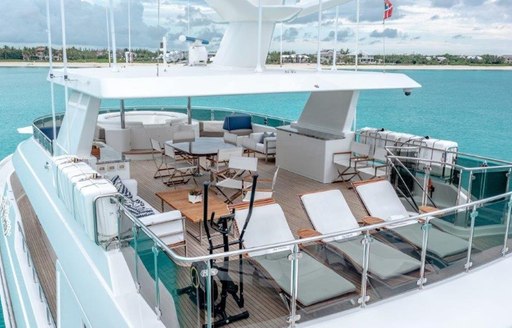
x,y
301,66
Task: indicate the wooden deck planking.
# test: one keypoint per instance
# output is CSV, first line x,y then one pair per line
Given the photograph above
x,y
263,303
43,256
288,188
265,306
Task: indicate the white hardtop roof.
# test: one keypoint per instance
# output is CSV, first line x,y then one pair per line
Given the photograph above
x,y
185,81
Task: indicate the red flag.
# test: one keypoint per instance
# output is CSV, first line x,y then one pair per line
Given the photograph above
x,y
388,9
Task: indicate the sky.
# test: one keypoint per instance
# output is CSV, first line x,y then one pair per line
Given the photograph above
x,y
430,27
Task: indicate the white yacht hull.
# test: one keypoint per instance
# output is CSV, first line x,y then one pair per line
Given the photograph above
x,y
94,288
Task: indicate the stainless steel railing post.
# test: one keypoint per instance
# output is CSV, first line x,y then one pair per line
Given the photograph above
x,y
424,197
208,293
424,244
473,215
294,285
507,228
367,239
135,233
156,250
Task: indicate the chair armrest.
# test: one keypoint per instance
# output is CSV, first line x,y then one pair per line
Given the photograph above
x,y
161,218
342,152
248,142
371,220
428,209
306,233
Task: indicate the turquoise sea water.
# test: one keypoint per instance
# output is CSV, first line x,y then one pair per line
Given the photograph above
x,y
473,108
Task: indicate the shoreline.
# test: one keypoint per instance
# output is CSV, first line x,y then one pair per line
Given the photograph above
x,y
306,66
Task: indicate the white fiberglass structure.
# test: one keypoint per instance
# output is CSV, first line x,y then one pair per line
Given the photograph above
x,y
73,254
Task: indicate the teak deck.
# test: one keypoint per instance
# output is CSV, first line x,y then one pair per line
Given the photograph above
x,y
264,304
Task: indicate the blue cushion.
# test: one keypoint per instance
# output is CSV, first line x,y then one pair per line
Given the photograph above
x,y
237,122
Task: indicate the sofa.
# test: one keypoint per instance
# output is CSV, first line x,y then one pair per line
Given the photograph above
x,y
261,142
238,127
211,129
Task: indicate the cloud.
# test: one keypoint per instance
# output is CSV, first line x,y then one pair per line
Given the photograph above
x,y
435,17
445,3
459,37
290,34
25,22
343,35
474,2
390,33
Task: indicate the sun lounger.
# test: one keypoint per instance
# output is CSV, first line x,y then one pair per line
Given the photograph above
x,y
317,282
329,212
381,201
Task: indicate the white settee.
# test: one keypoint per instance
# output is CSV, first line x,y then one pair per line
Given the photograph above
x,y
235,136
168,226
257,142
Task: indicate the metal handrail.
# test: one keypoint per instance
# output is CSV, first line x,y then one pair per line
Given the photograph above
x,y
447,151
457,166
425,217
205,108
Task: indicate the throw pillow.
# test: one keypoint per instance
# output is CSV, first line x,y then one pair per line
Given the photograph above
x,y
121,188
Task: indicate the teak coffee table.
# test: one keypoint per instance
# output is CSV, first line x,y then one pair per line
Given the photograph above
x,y
178,199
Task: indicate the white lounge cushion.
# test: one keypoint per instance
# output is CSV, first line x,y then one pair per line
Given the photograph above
x,y
167,226
329,212
381,201
267,226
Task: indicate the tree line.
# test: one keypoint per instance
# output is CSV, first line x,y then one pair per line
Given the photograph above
x,y
344,56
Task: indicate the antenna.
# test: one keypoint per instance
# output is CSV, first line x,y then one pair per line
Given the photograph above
x,y
318,67
50,55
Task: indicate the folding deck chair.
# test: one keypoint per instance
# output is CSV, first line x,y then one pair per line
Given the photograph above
x,y
329,212
235,178
317,282
350,162
382,202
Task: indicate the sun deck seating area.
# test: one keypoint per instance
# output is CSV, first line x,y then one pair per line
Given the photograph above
x,y
330,270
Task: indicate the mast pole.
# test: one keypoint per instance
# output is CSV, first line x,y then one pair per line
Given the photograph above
x,y
281,47
318,67
258,55
113,34
357,34
129,58
108,38
50,59
334,54
64,60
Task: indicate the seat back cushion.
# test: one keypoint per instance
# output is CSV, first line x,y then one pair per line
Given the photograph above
x,y
381,200
266,226
329,212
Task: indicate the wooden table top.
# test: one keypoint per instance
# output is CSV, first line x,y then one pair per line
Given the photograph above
x,y
178,199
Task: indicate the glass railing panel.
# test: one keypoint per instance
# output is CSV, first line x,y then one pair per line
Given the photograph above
x,y
394,261
182,292
489,183
489,231
146,267
201,114
329,277
219,115
448,243
255,289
